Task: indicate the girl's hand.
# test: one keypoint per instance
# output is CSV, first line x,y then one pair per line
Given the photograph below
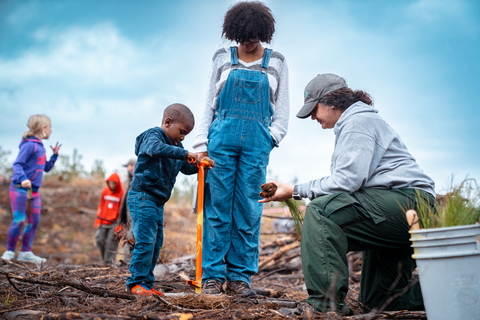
x,y
284,192
202,155
56,148
212,162
27,184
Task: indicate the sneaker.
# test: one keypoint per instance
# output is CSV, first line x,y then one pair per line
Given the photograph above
x,y
212,286
241,288
8,255
156,292
142,290
30,257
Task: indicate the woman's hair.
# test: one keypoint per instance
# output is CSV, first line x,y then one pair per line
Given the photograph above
x,y
344,98
249,20
35,124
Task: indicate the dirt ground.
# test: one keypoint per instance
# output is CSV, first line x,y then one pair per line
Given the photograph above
x,y
75,284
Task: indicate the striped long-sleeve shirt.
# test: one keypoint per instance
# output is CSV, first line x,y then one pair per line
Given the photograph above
x,y
277,73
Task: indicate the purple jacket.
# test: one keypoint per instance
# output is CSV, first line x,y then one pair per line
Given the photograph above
x,y
31,162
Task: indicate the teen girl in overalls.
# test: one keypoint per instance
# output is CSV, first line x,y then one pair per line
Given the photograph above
x,y
245,117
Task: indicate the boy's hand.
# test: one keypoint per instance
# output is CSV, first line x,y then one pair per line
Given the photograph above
x,y
56,148
27,184
212,162
193,158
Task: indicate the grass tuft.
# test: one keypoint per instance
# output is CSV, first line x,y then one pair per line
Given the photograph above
x,y
457,208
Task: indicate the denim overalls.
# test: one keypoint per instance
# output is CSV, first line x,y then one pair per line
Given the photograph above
x,y
240,143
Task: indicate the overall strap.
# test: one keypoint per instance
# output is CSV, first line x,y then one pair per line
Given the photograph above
x,y
266,58
234,55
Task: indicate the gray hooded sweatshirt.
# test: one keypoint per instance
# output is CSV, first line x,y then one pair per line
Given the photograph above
x,y
368,154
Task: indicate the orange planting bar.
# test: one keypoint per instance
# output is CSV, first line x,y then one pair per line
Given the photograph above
x,y
195,284
198,270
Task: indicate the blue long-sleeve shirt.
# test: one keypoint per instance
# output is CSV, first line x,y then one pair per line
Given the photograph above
x,y
31,162
158,164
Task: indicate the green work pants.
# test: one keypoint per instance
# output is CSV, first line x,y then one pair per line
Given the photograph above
x,y
369,220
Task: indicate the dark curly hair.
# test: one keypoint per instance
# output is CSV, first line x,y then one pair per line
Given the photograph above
x,y
344,98
249,20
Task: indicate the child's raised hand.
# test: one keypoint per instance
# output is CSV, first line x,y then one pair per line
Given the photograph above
x,y
27,184
193,158
56,148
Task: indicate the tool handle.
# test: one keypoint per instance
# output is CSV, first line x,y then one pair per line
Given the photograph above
x,y
203,162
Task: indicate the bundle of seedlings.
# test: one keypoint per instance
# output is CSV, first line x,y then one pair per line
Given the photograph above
x,y
458,207
269,189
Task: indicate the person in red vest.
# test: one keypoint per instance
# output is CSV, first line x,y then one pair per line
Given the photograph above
x,y
107,214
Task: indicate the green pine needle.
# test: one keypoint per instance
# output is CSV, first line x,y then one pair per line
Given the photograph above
x,y
297,215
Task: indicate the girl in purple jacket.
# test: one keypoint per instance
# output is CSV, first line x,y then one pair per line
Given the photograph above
x,y
26,180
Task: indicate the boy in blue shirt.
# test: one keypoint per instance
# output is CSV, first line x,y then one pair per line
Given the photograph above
x,y
160,158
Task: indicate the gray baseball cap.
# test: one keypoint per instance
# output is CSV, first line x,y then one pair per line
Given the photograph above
x,y
132,162
317,89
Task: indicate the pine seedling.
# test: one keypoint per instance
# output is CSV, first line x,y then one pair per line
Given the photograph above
x,y
297,215
269,189
457,208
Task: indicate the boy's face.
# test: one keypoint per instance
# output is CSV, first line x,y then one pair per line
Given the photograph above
x,y
112,185
176,131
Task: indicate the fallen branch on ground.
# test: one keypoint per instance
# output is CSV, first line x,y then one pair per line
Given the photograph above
x,y
76,285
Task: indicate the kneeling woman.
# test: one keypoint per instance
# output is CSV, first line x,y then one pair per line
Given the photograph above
x,y
360,206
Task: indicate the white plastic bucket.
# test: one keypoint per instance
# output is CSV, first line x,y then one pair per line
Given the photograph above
x,y
448,261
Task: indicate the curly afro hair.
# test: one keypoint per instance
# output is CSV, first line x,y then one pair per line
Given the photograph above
x,y
249,20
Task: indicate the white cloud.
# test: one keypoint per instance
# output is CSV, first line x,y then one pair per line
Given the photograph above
x,y
98,55
94,83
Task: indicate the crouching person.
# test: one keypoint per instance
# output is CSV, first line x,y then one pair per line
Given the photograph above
x,y
360,206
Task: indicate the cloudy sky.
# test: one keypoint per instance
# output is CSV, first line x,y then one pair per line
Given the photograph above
x,y
103,71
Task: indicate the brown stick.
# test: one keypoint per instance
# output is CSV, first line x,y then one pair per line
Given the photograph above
x,y
279,253
390,315
78,286
75,315
276,233
268,292
108,276
23,307
270,273
88,269
279,242
281,314
274,217
284,260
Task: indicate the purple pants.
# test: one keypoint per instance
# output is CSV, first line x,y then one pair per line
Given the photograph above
x,y
18,200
